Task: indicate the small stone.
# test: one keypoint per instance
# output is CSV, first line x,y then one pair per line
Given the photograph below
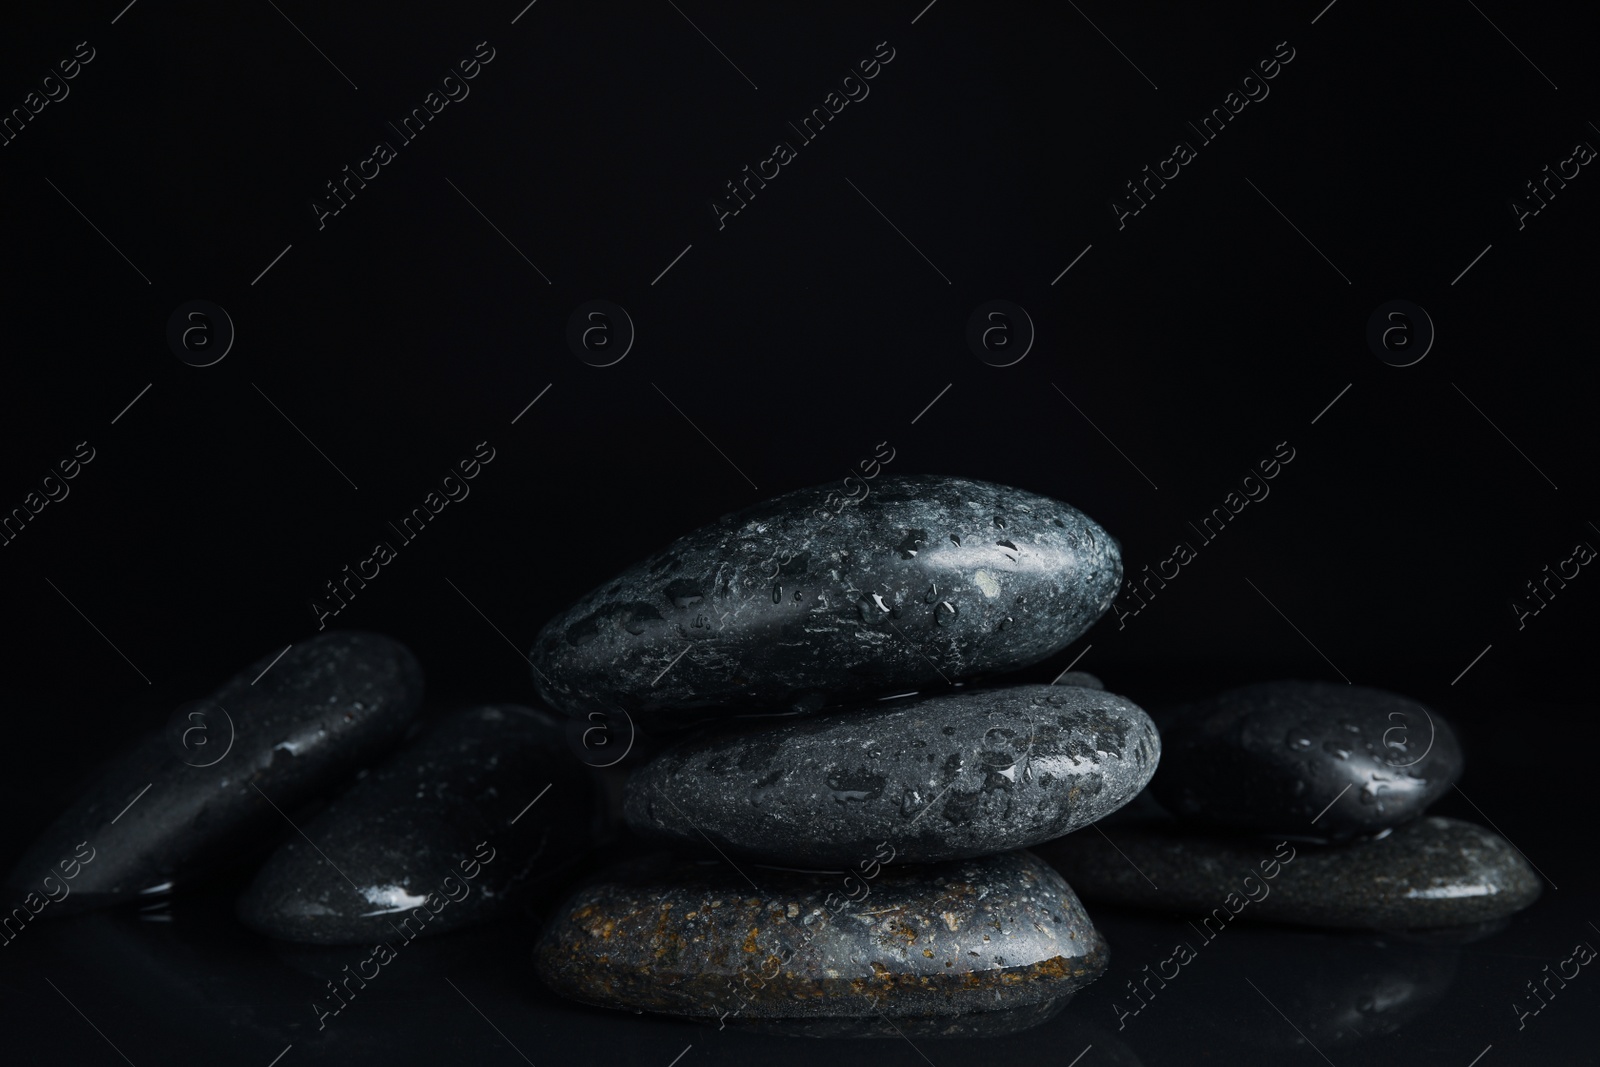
x,y
919,780
427,839
1428,873
172,808
1276,756
701,938
916,584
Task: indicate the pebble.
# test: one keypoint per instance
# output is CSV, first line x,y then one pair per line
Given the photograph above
x,y
704,938
1431,872
171,807
1275,756
425,842
777,608
921,780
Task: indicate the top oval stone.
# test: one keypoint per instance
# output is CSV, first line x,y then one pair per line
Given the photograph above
x,y
788,605
1305,758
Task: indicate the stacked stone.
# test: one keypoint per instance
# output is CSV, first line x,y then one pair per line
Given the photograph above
x,y
1316,793
841,848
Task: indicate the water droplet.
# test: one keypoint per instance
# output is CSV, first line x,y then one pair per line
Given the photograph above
x,y
1336,750
1007,544
931,595
945,613
1003,624
1300,743
1000,522
797,596
913,540
777,594
955,540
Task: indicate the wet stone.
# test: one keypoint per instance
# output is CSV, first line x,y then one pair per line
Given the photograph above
x,y
1276,756
774,607
1081,679
426,838
696,938
919,780
290,729
1431,872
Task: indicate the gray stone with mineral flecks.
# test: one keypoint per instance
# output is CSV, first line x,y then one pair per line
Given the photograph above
x,y
921,780
702,938
801,601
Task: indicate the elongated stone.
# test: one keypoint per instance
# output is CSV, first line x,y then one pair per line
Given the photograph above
x,y
926,779
797,601
180,801
1276,756
425,843
1428,873
700,938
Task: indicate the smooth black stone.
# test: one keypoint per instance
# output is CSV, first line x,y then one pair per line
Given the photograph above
x,y
330,704
1431,872
772,608
413,834
702,938
922,780
1275,756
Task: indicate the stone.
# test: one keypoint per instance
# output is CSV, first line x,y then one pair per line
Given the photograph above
x,y
926,779
802,601
1430,872
704,938
425,843
171,809
1277,756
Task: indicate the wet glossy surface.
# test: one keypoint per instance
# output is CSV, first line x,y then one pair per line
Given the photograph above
x,y
797,602
428,838
1429,873
1278,755
923,779
699,938
292,729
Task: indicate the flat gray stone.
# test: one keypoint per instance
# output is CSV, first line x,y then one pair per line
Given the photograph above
x,y
1428,873
927,580
699,938
934,778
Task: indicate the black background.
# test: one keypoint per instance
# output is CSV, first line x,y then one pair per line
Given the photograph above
x,y
797,338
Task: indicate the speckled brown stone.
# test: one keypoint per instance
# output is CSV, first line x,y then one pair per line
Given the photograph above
x,y
688,937
1428,873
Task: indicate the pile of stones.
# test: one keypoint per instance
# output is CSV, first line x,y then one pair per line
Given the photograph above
x,y
1316,792
842,823
835,847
